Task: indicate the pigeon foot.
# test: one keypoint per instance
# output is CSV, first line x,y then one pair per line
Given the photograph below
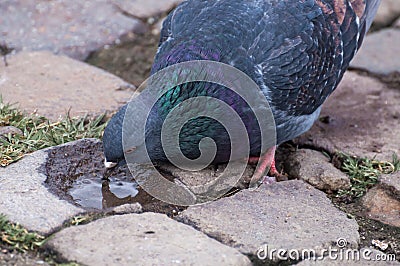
x,y
267,160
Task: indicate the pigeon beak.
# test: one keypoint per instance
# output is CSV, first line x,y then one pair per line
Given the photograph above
x,y
109,165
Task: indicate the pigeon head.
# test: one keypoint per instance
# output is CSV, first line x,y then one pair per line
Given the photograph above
x,y
112,140
112,137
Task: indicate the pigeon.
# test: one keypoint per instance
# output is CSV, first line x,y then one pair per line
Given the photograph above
x,y
296,51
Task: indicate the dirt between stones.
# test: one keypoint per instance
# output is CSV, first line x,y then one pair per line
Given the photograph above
x,y
129,60
370,229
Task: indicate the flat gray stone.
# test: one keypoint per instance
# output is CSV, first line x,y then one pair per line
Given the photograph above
x,y
361,118
74,28
290,215
388,11
315,168
365,256
379,52
25,199
51,85
146,8
142,239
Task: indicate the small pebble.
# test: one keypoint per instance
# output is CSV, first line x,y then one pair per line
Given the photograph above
x,y
4,131
380,244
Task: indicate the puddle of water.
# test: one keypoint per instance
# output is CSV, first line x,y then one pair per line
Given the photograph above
x,y
102,194
75,173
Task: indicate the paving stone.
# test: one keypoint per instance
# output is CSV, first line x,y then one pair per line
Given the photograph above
x,y
146,8
74,28
366,256
51,85
388,11
315,168
24,198
289,215
360,118
397,23
379,52
142,239
382,202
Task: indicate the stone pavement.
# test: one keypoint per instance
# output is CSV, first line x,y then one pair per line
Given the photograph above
x,y
286,215
142,239
291,215
72,29
378,55
26,200
316,169
361,118
68,85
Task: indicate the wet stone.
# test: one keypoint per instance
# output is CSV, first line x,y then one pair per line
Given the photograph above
x,y
141,239
25,199
76,173
52,85
73,28
360,118
379,52
289,215
315,168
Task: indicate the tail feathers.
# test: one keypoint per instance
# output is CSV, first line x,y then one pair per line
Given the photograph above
x,y
355,18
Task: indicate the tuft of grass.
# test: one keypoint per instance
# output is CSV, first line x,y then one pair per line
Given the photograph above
x,y
39,132
15,237
364,173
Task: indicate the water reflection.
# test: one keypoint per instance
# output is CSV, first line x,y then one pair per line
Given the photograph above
x,y
103,194
110,198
